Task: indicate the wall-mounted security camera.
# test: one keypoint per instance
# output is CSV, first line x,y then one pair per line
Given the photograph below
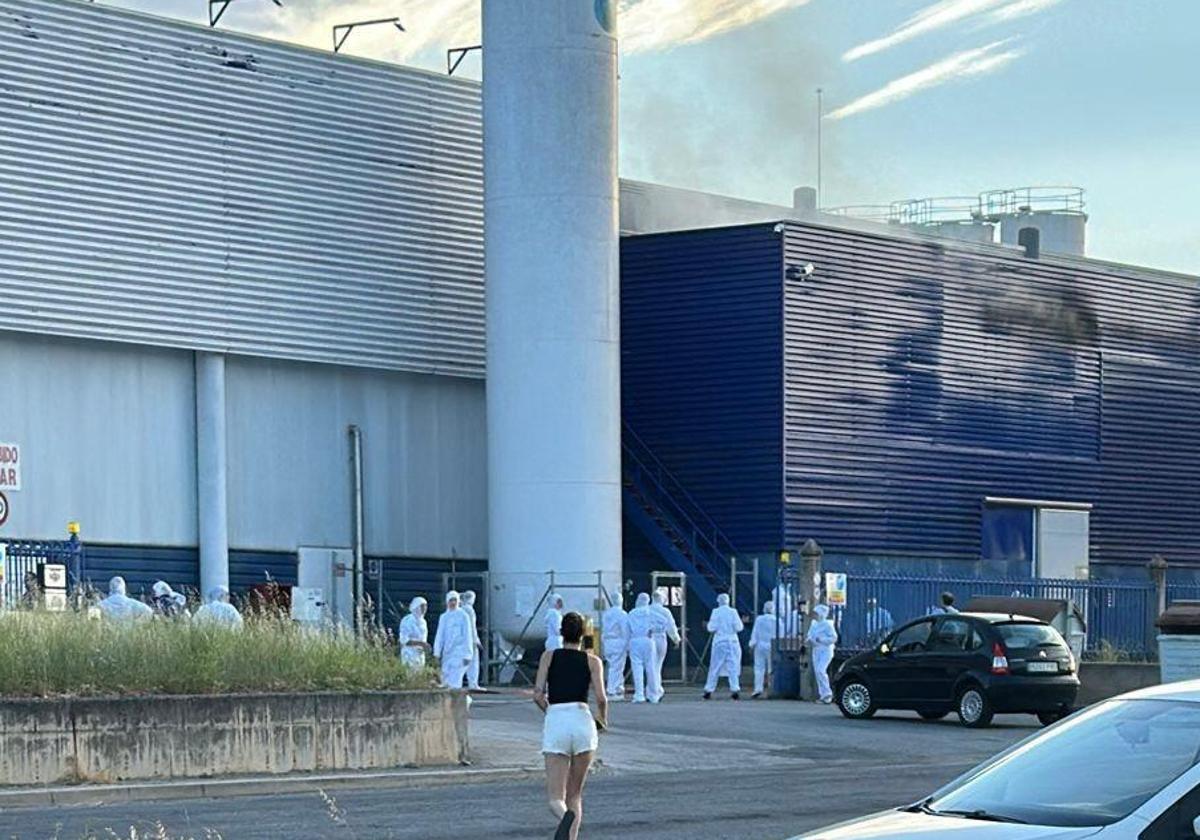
x,y
801,272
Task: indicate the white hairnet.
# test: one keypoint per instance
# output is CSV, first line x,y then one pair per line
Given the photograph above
x,y
769,608
723,600
451,596
116,586
218,594
821,611
161,589
643,600
659,599
468,597
416,604
556,601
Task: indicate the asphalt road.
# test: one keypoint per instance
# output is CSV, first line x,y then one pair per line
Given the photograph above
x,y
682,770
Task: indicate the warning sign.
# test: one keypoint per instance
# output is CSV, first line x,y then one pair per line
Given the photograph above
x,y
10,467
835,589
3,514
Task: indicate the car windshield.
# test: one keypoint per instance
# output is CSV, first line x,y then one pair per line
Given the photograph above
x,y
1028,635
1093,769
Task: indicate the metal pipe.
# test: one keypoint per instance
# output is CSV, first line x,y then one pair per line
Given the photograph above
x,y
357,512
212,511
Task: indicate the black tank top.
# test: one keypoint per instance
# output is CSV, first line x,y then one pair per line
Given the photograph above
x,y
569,676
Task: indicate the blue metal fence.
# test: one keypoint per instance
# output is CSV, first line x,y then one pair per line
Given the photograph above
x,y
1119,614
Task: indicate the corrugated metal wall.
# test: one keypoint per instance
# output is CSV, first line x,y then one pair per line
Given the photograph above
x,y
701,345
166,184
923,377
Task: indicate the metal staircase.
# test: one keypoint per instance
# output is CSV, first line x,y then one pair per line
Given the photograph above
x,y
687,538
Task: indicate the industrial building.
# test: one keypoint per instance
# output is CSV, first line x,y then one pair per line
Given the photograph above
x,y
237,275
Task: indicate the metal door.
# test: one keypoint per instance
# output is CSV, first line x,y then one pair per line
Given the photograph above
x,y
673,585
328,573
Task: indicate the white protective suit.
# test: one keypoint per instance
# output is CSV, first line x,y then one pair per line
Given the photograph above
x,y
554,623
167,602
726,661
664,628
822,635
120,607
641,651
468,606
414,628
452,643
614,638
218,612
761,638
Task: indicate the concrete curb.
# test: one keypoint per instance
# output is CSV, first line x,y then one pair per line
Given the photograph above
x,y
253,786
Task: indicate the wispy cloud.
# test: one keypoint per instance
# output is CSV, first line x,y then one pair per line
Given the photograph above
x,y
1020,9
961,65
945,13
930,19
660,24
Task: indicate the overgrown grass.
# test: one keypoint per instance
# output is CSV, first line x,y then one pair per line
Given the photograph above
x,y
68,654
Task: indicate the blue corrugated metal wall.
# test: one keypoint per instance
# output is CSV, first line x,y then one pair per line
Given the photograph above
x,y
404,578
141,566
701,343
910,379
923,377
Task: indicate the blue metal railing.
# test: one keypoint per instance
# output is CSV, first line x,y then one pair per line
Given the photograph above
x,y
687,527
23,557
1119,614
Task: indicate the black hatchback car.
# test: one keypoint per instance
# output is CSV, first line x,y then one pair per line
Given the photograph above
x,y
975,664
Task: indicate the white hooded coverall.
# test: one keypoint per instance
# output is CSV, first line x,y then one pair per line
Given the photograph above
x,y
822,636
468,606
218,612
761,638
615,639
725,624
641,651
554,623
414,628
664,628
120,607
452,642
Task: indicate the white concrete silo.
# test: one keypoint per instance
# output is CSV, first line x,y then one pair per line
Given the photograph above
x,y
553,318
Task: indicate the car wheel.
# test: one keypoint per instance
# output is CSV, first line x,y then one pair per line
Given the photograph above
x,y
932,715
974,708
855,701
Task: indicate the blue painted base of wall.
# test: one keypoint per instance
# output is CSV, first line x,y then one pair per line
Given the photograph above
x,y
141,566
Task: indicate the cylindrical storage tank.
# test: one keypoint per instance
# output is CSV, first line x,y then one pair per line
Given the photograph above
x,y
553,330
1059,233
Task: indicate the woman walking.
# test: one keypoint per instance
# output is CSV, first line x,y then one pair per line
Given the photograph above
x,y
569,738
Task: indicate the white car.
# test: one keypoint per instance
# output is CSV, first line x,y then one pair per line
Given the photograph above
x,y
1126,769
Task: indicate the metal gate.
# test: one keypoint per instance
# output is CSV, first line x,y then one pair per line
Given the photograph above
x,y
22,562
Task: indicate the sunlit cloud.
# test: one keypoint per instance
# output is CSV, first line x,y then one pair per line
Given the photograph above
x,y
1020,9
929,19
961,65
648,25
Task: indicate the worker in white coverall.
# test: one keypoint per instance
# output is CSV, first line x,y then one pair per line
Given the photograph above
x,y
452,643
468,606
120,607
614,638
554,623
641,651
218,612
414,634
761,638
822,636
664,628
726,661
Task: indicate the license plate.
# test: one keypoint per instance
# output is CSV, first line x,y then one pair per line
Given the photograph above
x,y
1043,667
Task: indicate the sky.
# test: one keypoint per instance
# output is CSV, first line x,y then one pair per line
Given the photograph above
x,y
920,97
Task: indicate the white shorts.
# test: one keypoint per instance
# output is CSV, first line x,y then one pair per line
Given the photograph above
x,y
570,729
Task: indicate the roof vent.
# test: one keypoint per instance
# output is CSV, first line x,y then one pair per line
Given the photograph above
x,y
1030,238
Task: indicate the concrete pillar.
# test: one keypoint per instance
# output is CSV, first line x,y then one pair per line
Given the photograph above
x,y
811,555
211,505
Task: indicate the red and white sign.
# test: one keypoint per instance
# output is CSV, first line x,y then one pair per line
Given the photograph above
x,y
10,467
3,517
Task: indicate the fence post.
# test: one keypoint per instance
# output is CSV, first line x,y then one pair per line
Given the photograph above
x,y
1158,573
810,555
